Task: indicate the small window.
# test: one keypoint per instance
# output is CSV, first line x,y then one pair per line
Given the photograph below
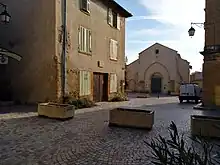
x,y
114,19
157,51
84,5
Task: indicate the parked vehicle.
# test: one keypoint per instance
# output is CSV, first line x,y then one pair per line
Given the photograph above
x,y
190,92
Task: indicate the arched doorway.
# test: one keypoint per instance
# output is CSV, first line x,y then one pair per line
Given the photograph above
x,y
156,83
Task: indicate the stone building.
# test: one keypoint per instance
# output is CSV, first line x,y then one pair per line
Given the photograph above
x,y
196,78
68,47
211,66
158,69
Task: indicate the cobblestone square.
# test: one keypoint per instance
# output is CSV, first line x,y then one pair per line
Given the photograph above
x,y
85,140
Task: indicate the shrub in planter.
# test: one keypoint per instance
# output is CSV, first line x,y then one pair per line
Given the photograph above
x,y
80,103
118,97
175,151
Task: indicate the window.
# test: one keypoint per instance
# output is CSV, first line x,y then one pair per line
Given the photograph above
x,y
113,49
85,83
113,83
157,51
84,5
114,19
85,40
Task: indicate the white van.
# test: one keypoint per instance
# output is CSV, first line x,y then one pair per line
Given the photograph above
x,y
190,92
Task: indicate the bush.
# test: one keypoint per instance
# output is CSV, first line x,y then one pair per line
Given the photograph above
x,y
119,97
80,103
174,151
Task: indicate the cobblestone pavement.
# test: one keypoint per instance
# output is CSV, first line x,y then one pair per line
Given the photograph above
x,y
86,139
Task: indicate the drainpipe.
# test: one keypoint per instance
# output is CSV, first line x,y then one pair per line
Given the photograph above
x,y
63,55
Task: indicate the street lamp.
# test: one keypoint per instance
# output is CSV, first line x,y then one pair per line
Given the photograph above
x,y
192,30
5,16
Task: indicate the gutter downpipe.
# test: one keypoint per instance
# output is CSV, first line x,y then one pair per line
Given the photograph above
x,y
63,56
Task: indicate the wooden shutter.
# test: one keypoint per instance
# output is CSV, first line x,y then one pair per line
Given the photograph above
x,y
85,83
113,83
90,41
80,39
81,82
110,17
115,50
111,48
88,5
118,22
89,83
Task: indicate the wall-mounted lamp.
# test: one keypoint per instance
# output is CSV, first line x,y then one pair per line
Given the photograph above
x,y
5,16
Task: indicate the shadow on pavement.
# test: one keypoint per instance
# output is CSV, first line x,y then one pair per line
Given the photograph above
x,y
18,109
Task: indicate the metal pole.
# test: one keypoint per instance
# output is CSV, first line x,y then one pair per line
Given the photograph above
x,y
63,62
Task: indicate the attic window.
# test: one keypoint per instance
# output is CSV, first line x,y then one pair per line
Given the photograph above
x,y
157,51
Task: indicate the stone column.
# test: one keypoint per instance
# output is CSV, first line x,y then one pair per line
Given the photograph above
x,y
211,53
211,79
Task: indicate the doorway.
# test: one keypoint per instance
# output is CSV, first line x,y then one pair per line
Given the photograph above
x,y
100,87
156,83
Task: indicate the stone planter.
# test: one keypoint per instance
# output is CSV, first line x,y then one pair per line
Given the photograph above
x,y
131,117
57,111
206,126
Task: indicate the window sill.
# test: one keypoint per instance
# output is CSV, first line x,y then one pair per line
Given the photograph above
x,y
115,60
113,27
86,53
85,12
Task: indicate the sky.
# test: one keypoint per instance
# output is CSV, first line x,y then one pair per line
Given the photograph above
x,y
166,22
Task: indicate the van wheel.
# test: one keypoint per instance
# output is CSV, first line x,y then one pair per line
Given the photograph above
x,y
181,101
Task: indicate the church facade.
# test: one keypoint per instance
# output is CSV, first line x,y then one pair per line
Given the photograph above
x,y
158,69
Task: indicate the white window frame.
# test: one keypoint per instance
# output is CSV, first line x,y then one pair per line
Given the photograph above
x,y
113,50
85,87
113,83
85,40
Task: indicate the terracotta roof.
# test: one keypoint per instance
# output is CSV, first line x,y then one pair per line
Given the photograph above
x,y
116,7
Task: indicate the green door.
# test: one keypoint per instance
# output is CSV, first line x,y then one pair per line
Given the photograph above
x,y
156,84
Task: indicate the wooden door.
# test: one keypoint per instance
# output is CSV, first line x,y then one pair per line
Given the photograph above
x,y
98,81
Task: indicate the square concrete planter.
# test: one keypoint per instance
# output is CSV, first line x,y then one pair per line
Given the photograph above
x,y
207,126
57,111
131,117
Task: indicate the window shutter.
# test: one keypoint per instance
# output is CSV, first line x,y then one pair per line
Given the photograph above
x,y
88,5
110,17
115,50
90,41
84,40
80,39
115,83
85,84
118,22
81,83
111,48
89,83
111,83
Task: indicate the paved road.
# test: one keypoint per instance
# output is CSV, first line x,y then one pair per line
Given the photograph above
x,y
86,139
